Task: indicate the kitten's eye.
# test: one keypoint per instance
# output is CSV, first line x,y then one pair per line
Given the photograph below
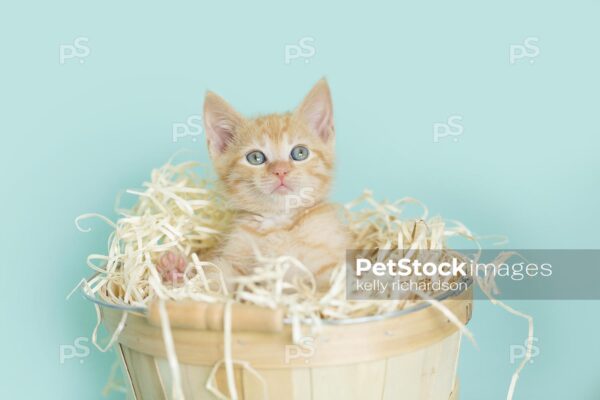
x,y
299,153
256,157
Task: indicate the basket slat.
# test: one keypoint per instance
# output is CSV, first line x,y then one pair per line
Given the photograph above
x,y
412,357
334,345
193,380
428,373
291,384
349,382
144,375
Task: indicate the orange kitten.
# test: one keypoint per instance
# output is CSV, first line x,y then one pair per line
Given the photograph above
x,y
276,170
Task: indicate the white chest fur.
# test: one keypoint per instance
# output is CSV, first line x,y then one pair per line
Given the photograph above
x,y
272,221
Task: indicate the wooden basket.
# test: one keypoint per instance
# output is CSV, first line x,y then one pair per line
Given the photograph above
x,y
409,355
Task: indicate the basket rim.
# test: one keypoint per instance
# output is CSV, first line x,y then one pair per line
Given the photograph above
x,y
287,321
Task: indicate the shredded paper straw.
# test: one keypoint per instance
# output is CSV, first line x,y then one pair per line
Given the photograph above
x,y
161,249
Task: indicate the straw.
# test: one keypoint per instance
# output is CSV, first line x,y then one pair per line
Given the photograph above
x,y
162,248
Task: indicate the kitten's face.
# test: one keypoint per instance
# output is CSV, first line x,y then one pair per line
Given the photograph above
x,y
276,163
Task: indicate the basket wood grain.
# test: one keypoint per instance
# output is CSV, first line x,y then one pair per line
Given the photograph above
x,y
410,357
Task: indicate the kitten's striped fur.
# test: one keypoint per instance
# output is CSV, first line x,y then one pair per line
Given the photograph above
x,y
281,204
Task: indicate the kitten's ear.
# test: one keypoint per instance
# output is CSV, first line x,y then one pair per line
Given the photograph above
x,y
220,123
317,110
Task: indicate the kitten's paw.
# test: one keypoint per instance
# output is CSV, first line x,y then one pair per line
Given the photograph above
x,y
171,266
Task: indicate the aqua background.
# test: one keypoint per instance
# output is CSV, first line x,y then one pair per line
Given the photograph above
x,y
526,164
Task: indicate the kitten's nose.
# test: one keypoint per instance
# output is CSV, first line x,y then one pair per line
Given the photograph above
x,y
280,169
